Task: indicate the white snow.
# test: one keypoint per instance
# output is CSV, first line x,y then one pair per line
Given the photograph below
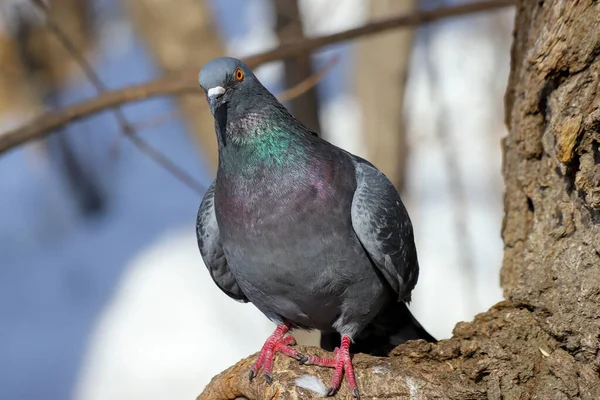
x,y
168,329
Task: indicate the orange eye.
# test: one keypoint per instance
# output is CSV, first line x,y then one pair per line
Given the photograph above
x,y
239,75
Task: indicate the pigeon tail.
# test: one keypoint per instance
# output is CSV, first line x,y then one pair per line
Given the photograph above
x,y
394,325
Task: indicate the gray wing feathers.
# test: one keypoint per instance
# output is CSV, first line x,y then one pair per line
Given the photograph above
x,y
211,249
383,227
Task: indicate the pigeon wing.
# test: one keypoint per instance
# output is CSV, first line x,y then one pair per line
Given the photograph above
x,y
383,227
211,249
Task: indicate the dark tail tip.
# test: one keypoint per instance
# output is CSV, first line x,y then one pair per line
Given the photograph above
x,y
393,326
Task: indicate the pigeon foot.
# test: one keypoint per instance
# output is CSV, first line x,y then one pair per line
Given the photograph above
x,y
277,342
343,367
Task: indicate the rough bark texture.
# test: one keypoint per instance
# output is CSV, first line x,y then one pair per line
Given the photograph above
x,y
552,173
543,341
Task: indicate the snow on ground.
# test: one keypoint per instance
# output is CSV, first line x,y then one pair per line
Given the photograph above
x,y
168,329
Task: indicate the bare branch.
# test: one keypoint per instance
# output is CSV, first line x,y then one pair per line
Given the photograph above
x,y
186,81
308,83
126,127
456,368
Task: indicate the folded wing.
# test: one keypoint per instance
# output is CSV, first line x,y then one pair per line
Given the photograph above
x,y
211,249
383,227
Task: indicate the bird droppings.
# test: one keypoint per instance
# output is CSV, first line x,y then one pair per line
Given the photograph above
x,y
380,369
313,384
413,386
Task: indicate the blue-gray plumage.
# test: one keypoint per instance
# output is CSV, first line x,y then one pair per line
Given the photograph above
x,y
312,235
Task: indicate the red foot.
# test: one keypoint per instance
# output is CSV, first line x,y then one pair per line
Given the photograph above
x,y
342,364
277,342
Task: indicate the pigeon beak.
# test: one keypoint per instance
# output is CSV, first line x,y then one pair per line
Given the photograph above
x,y
214,95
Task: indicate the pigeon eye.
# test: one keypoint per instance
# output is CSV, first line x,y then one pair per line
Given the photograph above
x,y
239,75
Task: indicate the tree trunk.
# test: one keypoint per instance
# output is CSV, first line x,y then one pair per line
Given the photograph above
x,y
182,36
33,62
289,29
381,69
543,341
551,229
14,97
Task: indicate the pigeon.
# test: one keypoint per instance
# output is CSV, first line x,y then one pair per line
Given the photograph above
x,y
312,235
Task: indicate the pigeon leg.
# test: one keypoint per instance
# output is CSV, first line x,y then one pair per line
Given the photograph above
x,y
277,342
342,364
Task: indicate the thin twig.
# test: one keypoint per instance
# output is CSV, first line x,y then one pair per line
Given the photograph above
x,y
126,127
186,81
309,82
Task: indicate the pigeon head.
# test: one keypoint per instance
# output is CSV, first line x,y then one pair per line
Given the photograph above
x,y
228,81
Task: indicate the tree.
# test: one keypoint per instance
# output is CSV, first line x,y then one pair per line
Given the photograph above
x,y
383,61
182,37
543,341
289,29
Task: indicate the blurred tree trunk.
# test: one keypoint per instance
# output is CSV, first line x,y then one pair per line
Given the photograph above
x,y
34,63
47,56
289,29
543,342
182,35
37,64
381,69
14,97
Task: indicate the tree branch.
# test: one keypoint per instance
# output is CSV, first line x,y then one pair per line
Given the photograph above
x,y
308,83
185,81
496,355
126,128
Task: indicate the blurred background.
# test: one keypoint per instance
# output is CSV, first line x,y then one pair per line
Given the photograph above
x,y
103,294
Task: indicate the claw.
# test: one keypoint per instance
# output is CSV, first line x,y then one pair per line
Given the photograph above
x,y
342,364
302,359
278,342
289,340
269,379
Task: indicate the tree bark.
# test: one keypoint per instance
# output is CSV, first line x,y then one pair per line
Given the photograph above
x,y
543,341
551,229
